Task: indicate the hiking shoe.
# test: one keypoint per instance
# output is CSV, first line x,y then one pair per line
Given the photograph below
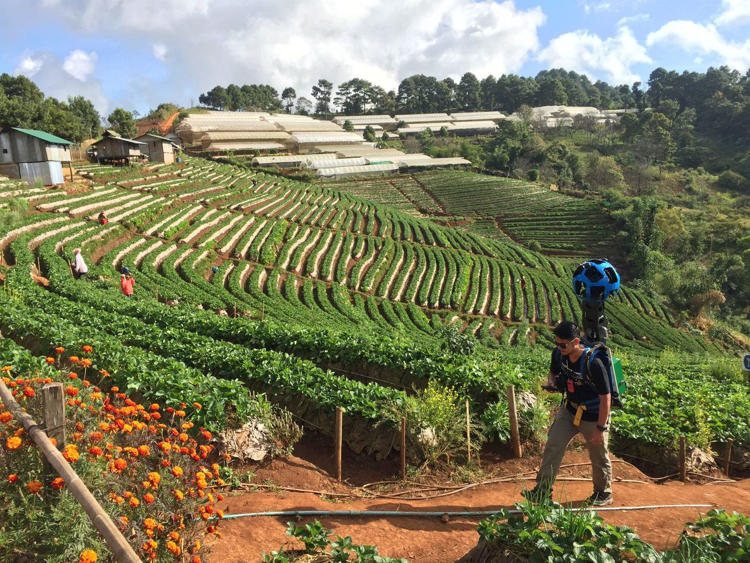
x,y
600,499
537,494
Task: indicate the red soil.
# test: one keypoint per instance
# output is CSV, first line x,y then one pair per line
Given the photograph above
x,y
431,539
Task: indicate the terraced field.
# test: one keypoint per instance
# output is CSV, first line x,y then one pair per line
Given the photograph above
x,y
246,280
497,207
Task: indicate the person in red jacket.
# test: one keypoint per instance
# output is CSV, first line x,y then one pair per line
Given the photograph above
x,y
126,282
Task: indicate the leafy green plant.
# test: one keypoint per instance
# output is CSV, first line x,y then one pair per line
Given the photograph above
x,y
496,420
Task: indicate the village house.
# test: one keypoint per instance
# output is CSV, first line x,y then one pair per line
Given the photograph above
x,y
112,148
157,148
35,156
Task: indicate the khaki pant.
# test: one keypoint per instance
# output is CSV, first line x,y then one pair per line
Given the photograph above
x,y
560,435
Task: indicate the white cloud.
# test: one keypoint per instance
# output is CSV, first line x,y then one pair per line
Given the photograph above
x,y
28,66
734,12
589,54
702,39
160,51
294,43
61,85
79,64
633,19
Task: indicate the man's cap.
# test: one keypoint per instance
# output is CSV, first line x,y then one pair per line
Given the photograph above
x,y
125,270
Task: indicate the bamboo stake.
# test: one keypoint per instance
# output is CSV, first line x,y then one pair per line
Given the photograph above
x,y
683,459
515,435
728,457
468,433
121,549
339,440
403,447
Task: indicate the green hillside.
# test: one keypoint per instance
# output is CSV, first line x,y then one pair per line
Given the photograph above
x,y
249,279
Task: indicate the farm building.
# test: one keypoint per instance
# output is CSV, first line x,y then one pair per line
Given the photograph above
x,y
116,149
33,155
157,148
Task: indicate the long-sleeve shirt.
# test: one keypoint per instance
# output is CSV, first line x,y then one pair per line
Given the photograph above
x,y
126,283
80,266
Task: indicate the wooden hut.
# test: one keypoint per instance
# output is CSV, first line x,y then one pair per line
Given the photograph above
x,y
157,148
35,156
116,150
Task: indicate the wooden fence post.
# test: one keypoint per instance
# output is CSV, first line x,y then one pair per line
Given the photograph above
x,y
53,403
403,447
683,459
515,436
728,457
339,440
468,433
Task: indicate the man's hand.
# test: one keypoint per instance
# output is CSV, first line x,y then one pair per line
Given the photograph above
x,y
597,438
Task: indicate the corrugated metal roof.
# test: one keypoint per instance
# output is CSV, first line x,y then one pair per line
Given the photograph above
x,y
123,139
357,170
46,137
155,136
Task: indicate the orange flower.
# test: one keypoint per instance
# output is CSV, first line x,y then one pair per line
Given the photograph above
x,y
34,487
53,441
86,348
74,359
5,416
149,523
96,436
119,464
154,477
178,494
12,478
174,535
50,360
72,391
197,406
72,375
13,443
177,471
206,434
85,362
134,502
70,453
144,450
59,349
95,451
29,392
87,556
6,369
104,372
173,548
165,446
180,414
148,498
183,437
58,483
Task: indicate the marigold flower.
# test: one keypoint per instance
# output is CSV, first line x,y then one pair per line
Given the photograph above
x,y
5,416
173,548
177,471
96,451
183,437
174,535
87,348
178,494
34,487
115,389
72,375
6,369
49,360
134,502
71,391
165,463
197,406
29,392
144,449
96,436
148,498
73,359
58,483
154,477
149,523
77,436
53,440
12,478
180,413
165,446
88,556
70,453
85,362
13,443
59,349
120,464
104,372
206,434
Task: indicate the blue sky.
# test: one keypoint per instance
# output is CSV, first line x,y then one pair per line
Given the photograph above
x,y
138,53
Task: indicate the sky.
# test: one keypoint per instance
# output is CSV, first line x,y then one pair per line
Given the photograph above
x,y
137,54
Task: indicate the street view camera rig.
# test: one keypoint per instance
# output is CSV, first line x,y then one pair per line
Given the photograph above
x,y
593,282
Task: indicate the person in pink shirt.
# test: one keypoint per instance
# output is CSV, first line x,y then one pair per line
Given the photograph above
x,y
126,282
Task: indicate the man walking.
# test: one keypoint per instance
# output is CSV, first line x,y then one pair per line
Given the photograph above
x,y
80,268
585,409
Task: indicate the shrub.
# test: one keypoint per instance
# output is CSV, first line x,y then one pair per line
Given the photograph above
x,y
731,180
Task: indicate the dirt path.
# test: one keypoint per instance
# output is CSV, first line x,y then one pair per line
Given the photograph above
x,y
431,539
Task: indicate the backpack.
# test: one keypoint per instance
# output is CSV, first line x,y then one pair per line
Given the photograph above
x,y
613,368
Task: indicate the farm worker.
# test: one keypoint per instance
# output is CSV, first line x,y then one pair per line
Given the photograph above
x,y
585,409
79,264
126,282
103,218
